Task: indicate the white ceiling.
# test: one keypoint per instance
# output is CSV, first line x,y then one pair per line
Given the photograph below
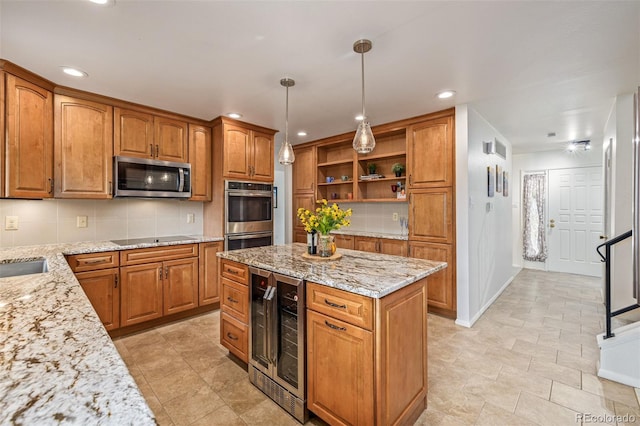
x,y
529,67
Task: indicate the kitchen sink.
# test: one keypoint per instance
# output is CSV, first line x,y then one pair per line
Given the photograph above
x,y
151,240
15,268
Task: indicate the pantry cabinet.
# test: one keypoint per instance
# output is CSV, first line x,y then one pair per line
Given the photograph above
x,y
83,148
29,139
431,153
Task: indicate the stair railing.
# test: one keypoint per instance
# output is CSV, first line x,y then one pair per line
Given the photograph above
x,y
606,258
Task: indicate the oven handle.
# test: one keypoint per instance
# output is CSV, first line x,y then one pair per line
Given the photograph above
x,y
248,236
249,194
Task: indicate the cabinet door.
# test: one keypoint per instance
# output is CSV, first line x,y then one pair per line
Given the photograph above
x,y
102,290
366,244
209,288
235,300
431,159
304,170
133,133
299,235
237,152
180,285
395,247
83,148
344,241
307,201
442,287
431,215
262,153
200,159
339,371
234,336
29,146
170,138
140,293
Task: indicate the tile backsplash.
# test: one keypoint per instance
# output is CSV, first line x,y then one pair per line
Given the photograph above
x,y
55,221
376,217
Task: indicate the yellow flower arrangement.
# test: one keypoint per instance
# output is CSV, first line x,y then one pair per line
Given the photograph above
x,y
325,219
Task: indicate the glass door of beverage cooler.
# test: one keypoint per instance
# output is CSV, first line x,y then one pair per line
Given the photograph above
x,y
261,308
289,368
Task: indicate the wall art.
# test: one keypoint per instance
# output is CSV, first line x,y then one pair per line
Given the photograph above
x,y
491,181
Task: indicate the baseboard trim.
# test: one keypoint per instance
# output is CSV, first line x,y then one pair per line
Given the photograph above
x,y
486,306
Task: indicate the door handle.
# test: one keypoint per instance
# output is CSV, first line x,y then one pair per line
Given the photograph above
x,y
603,237
552,223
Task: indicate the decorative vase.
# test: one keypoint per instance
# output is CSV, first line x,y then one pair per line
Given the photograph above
x,y
326,246
398,174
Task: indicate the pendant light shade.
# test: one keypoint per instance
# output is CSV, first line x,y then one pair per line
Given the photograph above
x,y
286,156
363,142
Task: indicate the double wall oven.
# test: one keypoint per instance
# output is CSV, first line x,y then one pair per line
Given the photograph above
x,y
248,214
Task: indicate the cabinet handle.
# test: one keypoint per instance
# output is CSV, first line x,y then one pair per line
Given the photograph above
x,y
335,327
157,151
160,272
151,150
231,336
50,186
116,282
95,261
110,190
410,179
232,300
232,271
166,273
335,305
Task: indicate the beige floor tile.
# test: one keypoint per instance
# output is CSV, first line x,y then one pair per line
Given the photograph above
x,y
493,416
526,381
555,372
499,393
611,390
175,384
267,413
223,416
581,401
193,405
242,396
626,415
540,352
224,375
511,358
586,365
450,400
145,338
477,363
544,412
204,357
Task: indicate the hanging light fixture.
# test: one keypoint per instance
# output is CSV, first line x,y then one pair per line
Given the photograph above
x,y
363,142
286,156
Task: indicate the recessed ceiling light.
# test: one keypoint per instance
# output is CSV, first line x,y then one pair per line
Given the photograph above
x,y
105,2
75,72
234,115
359,117
446,94
302,133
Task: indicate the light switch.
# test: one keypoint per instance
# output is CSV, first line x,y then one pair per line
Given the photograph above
x,y
395,217
11,223
81,221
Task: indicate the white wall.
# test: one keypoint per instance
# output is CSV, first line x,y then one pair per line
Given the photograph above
x,y
279,234
484,248
619,133
542,161
54,221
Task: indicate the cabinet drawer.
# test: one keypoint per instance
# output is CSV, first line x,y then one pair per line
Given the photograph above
x,y
157,254
93,261
234,336
350,307
235,300
234,271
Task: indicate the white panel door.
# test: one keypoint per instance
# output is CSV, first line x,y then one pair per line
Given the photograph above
x,y
576,217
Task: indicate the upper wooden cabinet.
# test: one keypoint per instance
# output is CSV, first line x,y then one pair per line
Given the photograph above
x,y
304,170
200,159
83,148
431,154
29,143
139,134
431,215
247,153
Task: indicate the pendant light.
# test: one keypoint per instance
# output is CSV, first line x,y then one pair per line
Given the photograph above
x,y
363,142
286,156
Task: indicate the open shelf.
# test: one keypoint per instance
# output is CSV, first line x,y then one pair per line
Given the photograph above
x,y
335,163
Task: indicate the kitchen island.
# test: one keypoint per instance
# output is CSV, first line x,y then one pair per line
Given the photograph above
x,y
366,330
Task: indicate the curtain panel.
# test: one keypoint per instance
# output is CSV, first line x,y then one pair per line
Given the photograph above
x,y
534,234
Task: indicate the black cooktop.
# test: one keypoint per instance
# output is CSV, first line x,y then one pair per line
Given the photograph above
x,y
151,240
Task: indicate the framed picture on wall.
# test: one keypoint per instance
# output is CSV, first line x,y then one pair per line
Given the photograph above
x,y
505,184
491,181
498,178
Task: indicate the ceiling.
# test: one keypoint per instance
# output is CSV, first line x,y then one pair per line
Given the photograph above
x,y
528,67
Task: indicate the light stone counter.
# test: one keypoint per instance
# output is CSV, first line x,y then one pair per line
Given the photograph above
x,y
57,362
370,274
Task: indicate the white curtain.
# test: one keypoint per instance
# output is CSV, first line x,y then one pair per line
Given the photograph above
x,y
533,201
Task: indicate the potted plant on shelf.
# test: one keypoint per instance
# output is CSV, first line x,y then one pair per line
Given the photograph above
x,y
397,168
372,168
324,220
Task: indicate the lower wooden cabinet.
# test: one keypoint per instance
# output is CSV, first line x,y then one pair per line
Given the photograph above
x,y
442,284
180,292
381,245
234,335
345,241
209,288
141,293
234,308
103,291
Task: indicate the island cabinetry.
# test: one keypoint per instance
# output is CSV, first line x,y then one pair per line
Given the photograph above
x,y
98,276
381,245
234,307
357,346
209,287
158,281
29,139
83,148
200,159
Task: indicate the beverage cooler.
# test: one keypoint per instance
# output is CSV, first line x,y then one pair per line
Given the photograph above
x,y
277,342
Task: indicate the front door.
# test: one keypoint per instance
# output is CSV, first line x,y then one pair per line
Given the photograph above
x,y
576,217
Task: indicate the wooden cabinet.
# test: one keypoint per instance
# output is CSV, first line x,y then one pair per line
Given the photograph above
x,y
304,170
200,159
381,245
158,281
350,380
247,152
209,288
234,307
99,276
431,143
29,139
140,134
345,241
442,288
431,215
83,148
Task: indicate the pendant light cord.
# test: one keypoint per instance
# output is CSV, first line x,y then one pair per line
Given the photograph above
x,y
363,113
286,119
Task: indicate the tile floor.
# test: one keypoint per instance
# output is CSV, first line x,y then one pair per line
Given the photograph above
x,y
530,359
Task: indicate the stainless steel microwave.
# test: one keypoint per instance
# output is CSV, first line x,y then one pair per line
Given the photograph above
x,y
141,177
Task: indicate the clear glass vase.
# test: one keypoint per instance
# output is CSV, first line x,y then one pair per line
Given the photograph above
x,y
326,246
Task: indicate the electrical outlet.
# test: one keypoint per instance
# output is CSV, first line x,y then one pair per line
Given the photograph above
x,y
395,217
191,218
11,223
81,221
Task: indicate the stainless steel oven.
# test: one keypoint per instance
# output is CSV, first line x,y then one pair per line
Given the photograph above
x,y
277,339
248,214
240,241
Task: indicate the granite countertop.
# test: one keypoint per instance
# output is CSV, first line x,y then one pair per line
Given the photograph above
x,y
370,274
57,362
371,234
